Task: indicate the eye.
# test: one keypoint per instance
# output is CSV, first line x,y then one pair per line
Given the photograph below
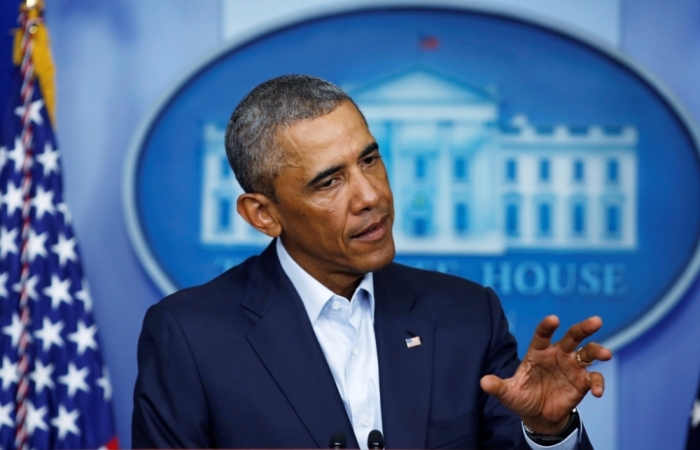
x,y
328,183
371,159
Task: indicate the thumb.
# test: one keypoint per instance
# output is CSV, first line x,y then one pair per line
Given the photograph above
x,y
493,385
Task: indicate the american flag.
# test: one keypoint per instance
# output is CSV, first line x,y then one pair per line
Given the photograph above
x,y
55,390
413,342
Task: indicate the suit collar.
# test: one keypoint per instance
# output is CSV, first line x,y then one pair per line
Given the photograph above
x,y
284,340
405,374
313,294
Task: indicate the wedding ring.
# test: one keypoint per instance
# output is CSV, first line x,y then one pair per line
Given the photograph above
x,y
581,362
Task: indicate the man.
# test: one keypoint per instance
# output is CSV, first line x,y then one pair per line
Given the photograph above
x,y
322,334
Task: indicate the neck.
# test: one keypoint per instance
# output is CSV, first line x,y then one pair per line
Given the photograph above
x,y
344,288
343,284
339,282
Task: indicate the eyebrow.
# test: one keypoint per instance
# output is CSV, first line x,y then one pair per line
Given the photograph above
x,y
373,147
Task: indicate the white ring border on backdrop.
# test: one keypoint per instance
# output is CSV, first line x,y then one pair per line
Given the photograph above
x,y
166,285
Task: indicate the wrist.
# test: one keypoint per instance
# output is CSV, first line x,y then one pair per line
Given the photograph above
x,y
547,439
540,425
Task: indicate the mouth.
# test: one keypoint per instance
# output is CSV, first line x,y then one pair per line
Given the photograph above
x,y
374,231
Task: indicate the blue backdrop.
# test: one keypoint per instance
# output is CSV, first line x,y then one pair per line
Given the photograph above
x,y
117,59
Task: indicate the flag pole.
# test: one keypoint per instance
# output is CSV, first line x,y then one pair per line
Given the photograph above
x,y
29,18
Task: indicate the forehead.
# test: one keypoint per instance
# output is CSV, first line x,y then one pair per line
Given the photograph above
x,y
333,136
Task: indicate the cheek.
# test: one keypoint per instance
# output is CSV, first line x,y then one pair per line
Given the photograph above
x,y
382,180
334,223
386,190
324,222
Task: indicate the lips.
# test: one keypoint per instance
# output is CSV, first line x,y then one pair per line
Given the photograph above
x,y
374,231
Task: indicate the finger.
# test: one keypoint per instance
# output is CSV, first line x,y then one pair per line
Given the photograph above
x,y
493,385
594,351
543,333
577,333
596,383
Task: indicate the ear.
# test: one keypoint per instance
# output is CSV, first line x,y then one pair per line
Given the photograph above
x,y
258,211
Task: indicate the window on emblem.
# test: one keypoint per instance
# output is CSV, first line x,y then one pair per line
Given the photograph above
x,y
612,171
613,221
544,170
578,219
544,213
512,219
421,168
511,170
224,213
461,169
225,169
578,171
461,218
420,226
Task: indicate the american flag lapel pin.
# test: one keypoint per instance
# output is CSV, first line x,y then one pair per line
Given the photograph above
x,y
413,342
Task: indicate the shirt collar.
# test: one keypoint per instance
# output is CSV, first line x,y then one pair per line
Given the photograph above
x,y
313,294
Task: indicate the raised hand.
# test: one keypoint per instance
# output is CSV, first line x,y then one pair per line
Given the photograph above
x,y
552,378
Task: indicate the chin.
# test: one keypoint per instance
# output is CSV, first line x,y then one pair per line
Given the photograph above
x,y
380,258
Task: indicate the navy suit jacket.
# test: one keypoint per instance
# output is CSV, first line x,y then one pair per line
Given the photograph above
x,y
236,363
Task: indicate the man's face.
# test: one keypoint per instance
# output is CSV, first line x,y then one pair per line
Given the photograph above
x,y
334,204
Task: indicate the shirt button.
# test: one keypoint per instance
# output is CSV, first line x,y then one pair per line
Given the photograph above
x,y
336,306
366,422
355,353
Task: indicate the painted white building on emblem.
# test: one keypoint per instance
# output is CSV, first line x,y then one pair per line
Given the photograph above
x,y
465,182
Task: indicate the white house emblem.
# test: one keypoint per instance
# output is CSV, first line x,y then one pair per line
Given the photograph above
x,y
521,157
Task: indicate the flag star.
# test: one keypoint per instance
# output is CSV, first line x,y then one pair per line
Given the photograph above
x,y
36,245
65,250
43,202
84,337
8,373
3,156
84,296
34,111
63,208
8,242
695,413
13,198
35,418
50,334
3,284
75,379
49,159
30,287
5,417
58,291
65,422
41,376
17,154
14,330
105,384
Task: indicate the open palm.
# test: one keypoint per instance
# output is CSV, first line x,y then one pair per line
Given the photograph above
x,y
550,380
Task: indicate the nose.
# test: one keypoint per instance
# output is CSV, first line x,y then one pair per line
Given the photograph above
x,y
366,194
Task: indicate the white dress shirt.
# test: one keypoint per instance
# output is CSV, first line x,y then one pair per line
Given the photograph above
x,y
345,331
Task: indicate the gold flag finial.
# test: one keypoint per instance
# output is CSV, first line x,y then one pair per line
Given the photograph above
x,y
38,45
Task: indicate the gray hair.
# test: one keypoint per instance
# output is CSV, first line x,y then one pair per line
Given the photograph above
x,y
251,147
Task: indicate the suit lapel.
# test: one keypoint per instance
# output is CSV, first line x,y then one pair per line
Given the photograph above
x,y
405,374
284,340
